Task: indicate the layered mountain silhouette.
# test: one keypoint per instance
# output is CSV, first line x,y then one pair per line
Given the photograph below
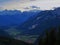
x,y
41,21
28,26
10,19
14,17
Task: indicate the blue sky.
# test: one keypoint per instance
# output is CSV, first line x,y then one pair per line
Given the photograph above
x,y
3,1
23,4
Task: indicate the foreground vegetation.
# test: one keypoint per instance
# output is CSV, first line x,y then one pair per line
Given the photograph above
x,y
51,37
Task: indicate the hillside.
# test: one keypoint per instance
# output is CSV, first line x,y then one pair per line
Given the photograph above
x,y
14,17
35,26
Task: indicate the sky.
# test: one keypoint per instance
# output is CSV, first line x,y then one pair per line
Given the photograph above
x,y
29,4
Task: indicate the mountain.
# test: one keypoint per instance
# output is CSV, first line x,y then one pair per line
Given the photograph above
x,y
11,41
10,19
4,34
14,17
41,21
38,24
33,24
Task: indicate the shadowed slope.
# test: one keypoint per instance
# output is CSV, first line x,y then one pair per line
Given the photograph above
x,y
10,41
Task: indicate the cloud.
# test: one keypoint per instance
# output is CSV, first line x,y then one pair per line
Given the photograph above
x,y
1,8
26,8
32,0
31,4
35,7
31,8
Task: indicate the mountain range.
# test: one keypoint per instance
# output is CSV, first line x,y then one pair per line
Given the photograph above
x,y
28,26
14,17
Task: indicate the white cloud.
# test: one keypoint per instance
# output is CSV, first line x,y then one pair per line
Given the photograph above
x,y
31,8
43,4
